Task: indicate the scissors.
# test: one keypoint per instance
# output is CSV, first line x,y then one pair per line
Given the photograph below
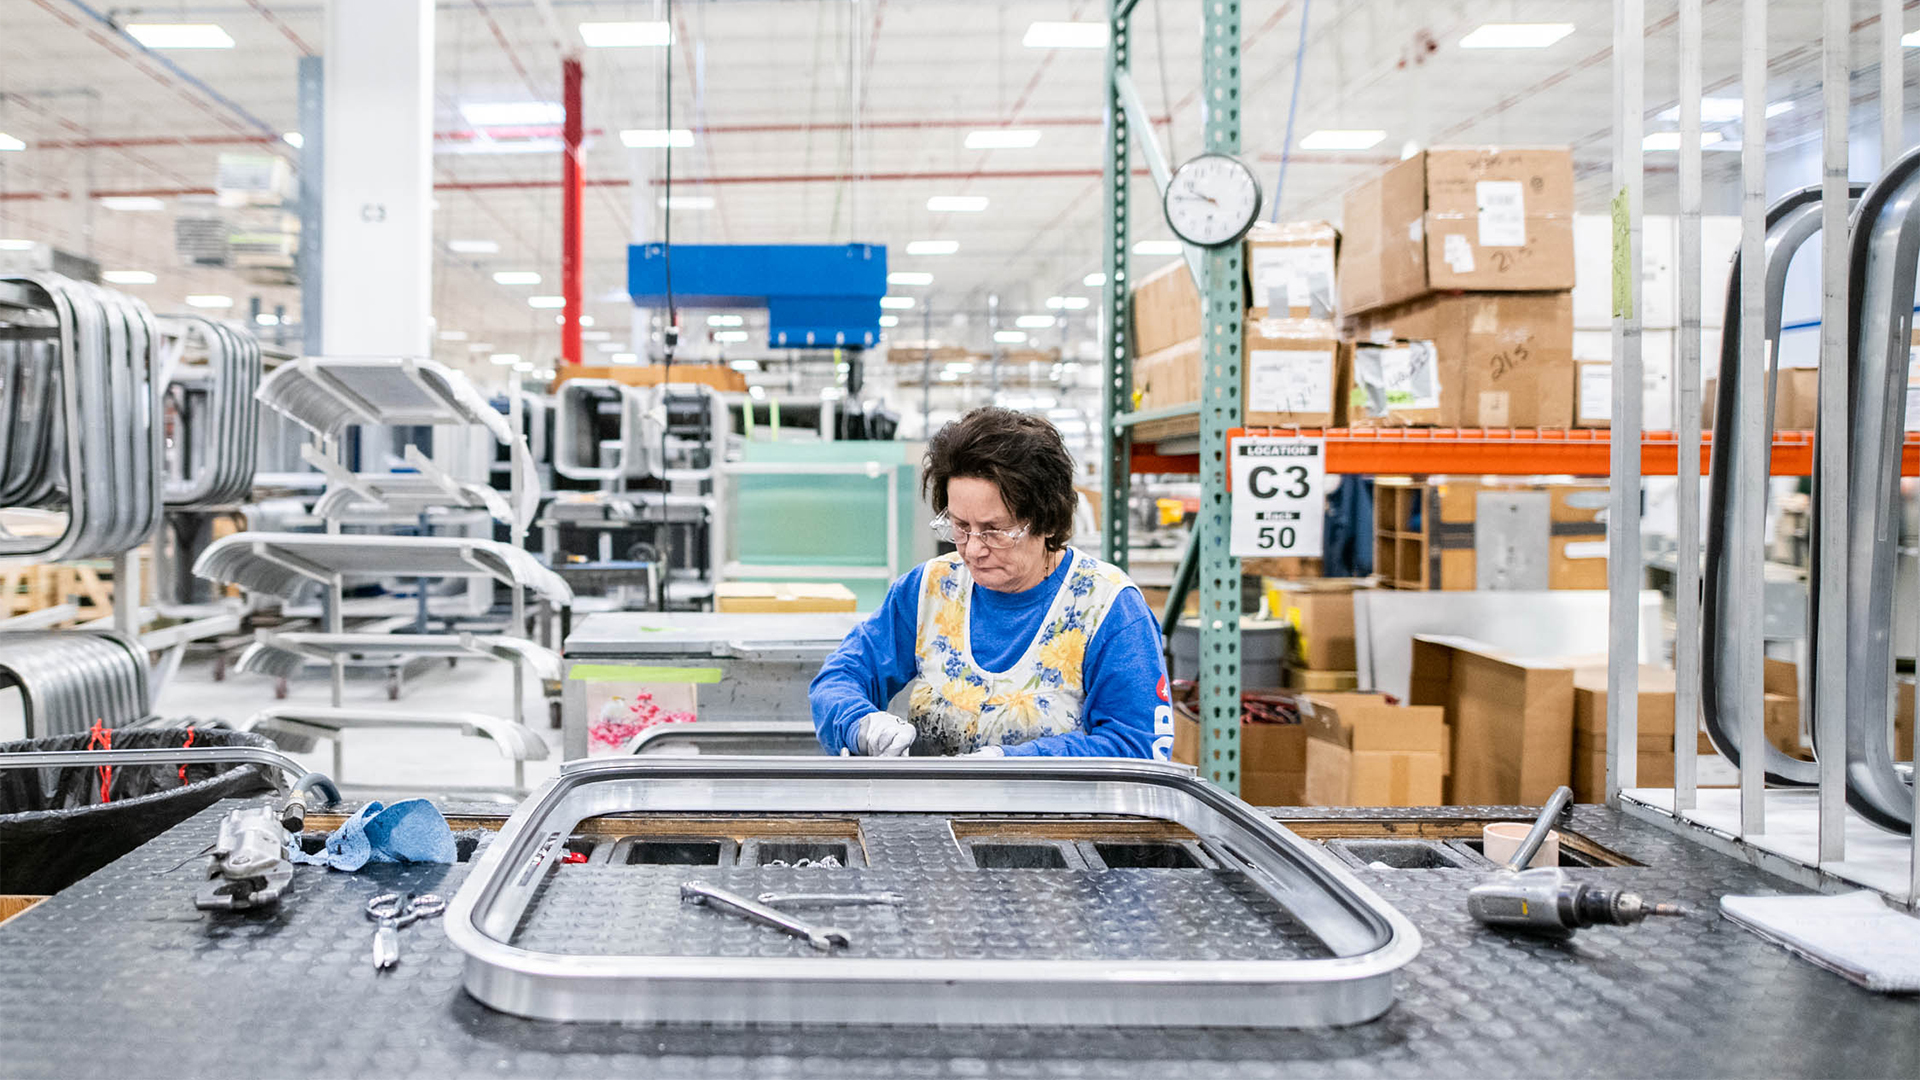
x,y
393,911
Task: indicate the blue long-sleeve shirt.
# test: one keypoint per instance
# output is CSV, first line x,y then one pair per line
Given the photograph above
x,y
1122,715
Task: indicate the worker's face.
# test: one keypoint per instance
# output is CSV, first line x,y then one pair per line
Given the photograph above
x,y
975,504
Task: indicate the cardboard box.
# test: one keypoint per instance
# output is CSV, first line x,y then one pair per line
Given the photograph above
x,y
1311,681
1577,548
1321,614
1511,718
1292,374
1590,772
1166,309
1362,751
1593,393
1484,219
1469,360
1903,719
1655,714
1290,270
1273,759
1796,402
783,596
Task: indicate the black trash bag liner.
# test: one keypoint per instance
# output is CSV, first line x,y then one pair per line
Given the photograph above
x,y
51,837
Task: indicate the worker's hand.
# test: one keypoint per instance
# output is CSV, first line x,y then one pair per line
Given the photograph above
x,y
885,735
987,751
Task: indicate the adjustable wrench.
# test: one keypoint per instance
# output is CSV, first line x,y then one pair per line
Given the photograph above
x,y
824,938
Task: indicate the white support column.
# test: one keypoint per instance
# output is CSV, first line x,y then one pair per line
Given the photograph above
x,y
378,191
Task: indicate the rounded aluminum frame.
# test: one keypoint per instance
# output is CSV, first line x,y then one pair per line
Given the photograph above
x,y
1370,939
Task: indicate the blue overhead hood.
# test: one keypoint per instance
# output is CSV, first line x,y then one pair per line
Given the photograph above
x,y
817,296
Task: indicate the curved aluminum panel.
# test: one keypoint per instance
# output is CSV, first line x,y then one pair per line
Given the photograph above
x,y
282,564
730,738
1369,939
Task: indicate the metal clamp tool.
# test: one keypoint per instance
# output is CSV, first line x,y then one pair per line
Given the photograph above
x,y
824,938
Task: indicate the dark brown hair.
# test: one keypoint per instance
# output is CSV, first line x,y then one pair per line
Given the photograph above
x,y
1020,454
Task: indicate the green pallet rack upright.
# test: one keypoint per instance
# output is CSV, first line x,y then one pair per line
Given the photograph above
x,y
1219,276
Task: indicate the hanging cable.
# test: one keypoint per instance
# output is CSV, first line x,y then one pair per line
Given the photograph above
x,y
1293,104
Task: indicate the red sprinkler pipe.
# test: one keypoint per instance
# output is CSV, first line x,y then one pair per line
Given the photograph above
x,y
571,188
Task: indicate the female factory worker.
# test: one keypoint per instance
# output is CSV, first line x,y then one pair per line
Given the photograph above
x,y
1013,645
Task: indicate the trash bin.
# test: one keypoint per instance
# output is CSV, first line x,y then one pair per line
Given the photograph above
x,y
56,829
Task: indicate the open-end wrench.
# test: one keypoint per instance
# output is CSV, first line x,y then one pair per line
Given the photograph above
x,y
824,938
817,900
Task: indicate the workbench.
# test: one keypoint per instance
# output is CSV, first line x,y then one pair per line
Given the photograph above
x,y
119,975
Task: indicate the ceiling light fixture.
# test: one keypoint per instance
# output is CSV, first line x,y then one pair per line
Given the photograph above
x,y
179,35
957,204
474,247
1157,247
625,358
932,247
505,359
516,277
909,277
654,138
1003,138
1075,303
686,202
1342,139
129,277
546,301
512,113
480,347
1670,140
16,245
132,203
1034,322
267,318
596,335
8,142
209,300
1066,35
889,320
1094,280
726,320
1010,337
523,366
626,35
729,335
899,302
1515,35
294,139
1725,111
586,320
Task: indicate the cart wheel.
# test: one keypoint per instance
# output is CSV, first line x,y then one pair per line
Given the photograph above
x,y
393,687
553,714
279,688
220,667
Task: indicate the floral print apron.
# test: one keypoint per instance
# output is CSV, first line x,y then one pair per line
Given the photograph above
x,y
958,706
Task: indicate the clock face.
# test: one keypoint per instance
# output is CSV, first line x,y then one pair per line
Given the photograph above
x,y
1212,200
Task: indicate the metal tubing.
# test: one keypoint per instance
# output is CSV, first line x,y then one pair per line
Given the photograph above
x,y
570,196
1830,640
1686,648
1754,354
1542,825
1623,516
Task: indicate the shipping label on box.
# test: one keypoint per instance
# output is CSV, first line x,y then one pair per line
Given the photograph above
x,y
1593,407
1502,207
1290,381
1395,382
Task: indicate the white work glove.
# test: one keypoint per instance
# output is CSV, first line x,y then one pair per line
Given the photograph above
x,y
885,735
987,751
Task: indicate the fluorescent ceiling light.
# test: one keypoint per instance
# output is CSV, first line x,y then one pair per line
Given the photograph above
x,y
1002,138
267,318
729,335
179,35
1010,337
686,202
294,139
626,35
1342,139
744,365
474,247
1034,322
1075,303
453,335
1515,35
1911,41
129,277
209,300
612,346
625,358
516,277
932,247
957,204
523,366
901,302
547,301
961,367
586,320
501,146
505,359
889,320
726,320
1094,280
1670,140
595,335
1066,35
16,245
512,113
1725,110
132,203
649,138
949,376
8,142
1157,247
909,277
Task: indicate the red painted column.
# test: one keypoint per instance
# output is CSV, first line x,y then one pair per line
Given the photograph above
x,y
570,232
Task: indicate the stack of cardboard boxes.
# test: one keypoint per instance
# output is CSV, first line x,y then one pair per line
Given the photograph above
x,y
1362,750
1319,613
1456,274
